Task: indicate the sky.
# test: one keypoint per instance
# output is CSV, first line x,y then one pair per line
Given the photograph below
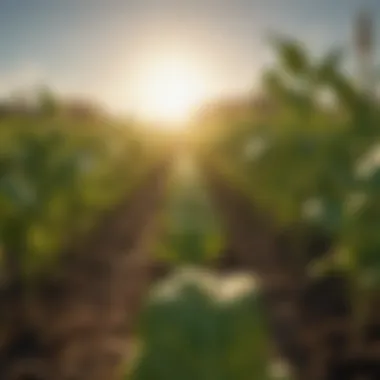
x,y
97,48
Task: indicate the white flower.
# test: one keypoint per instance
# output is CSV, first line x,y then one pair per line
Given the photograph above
x,y
221,288
171,287
235,286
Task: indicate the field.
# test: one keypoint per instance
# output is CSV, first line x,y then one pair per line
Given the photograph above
x,y
250,251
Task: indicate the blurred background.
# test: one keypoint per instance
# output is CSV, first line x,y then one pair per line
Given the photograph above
x,y
189,190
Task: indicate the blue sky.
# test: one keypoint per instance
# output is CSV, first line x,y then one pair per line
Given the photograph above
x,y
94,46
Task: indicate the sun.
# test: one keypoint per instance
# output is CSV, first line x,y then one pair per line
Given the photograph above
x,y
169,90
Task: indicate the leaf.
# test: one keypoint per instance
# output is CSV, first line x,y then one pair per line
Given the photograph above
x,y
328,69
188,329
292,56
273,83
345,91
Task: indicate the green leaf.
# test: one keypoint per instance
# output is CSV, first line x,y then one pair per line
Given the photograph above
x,y
328,69
292,56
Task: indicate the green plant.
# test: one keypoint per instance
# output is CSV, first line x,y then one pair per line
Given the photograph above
x,y
191,231
56,178
315,164
199,326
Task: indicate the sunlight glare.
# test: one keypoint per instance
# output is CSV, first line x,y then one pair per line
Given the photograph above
x,y
169,91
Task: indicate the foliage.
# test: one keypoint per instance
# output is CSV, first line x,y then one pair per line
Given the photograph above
x,y
56,177
314,164
199,326
191,230
314,161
